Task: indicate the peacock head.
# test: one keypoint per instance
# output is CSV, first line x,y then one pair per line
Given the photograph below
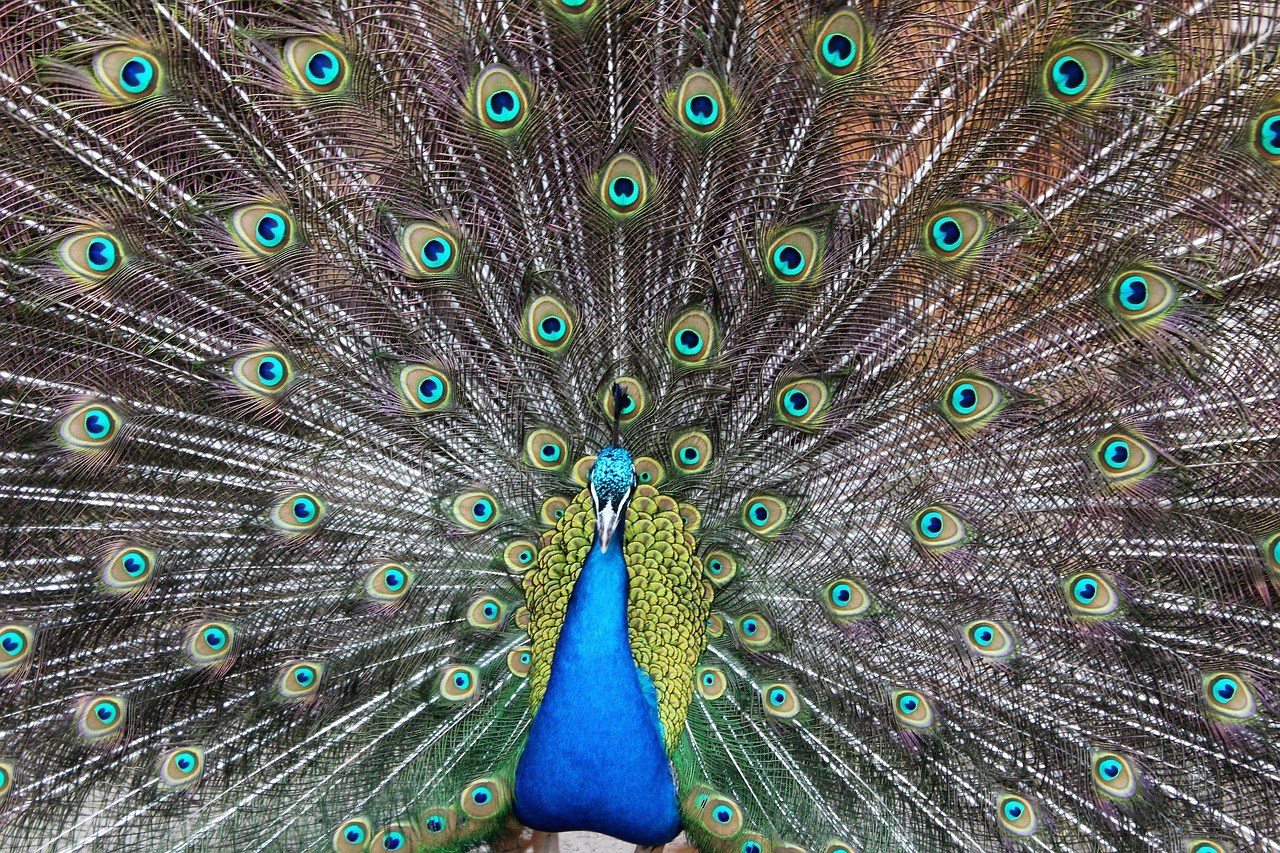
x,y
613,480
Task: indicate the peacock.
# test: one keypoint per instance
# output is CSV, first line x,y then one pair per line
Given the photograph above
x,y
801,425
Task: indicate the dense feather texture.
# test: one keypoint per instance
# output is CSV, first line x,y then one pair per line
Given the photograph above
x,y
275,339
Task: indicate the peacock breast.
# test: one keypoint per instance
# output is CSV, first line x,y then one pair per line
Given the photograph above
x,y
668,601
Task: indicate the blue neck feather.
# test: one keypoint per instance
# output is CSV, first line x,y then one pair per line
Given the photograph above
x,y
595,758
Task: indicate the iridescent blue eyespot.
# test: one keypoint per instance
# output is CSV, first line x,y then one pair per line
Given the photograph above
x,y
97,423
947,234
1069,76
271,230
101,254
624,191
136,75
430,390
105,711
931,525
393,840
1224,688
1116,453
1110,768
702,110
304,510
796,403
271,371
481,510
215,638
688,342
1269,135
1013,810
323,68
838,50
1085,590
435,824
964,398
12,642
758,513
435,253
481,795
908,703
1133,292
788,260
722,814
503,105
354,834
750,627
552,328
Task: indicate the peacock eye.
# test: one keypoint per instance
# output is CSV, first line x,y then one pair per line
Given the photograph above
x,y
700,103
181,768
388,583
1113,776
549,324
1017,816
127,74
319,68
802,402
988,639
912,709
845,599
720,567
519,661
100,717
128,571
1139,297
428,250
711,683
1091,596
500,100
955,233
546,450
91,256
634,399
424,388
971,402
1075,74
938,528
262,230
691,452
780,701
1266,139
487,613
475,510
764,515
1230,697
840,45
1123,458
690,338
265,374
298,513
792,256
754,630
90,428
623,186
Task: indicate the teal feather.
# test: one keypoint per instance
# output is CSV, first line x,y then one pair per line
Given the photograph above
x,y
946,337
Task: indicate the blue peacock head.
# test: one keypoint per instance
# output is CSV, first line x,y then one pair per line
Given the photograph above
x,y
613,481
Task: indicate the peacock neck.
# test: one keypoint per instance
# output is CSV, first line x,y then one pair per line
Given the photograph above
x,y
595,759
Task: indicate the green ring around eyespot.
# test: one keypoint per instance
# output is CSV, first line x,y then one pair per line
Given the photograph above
x,y
109,251
1270,127
506,115
940,240
1059,79
834,59
1106,454
442,257
147,76
701,121
620,199
782,267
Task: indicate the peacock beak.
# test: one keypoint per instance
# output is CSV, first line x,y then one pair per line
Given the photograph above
x,y
607,519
